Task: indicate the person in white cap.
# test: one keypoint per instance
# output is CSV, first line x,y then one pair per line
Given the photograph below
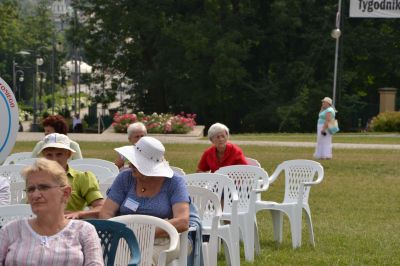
x,y
323,149
149,187
85,188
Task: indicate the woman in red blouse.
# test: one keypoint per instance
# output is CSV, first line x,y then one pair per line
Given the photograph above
x,y
222,153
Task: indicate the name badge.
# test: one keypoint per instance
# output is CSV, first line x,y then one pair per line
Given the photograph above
x,y
131,204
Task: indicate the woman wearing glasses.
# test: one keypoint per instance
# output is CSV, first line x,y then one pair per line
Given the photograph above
x,y
49,238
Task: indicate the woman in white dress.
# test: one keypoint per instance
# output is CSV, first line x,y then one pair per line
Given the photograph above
x,y
323,149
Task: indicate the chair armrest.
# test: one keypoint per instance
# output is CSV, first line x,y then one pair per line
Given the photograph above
x,y
275,174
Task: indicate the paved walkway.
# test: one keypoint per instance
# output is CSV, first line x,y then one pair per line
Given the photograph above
x,y
196,138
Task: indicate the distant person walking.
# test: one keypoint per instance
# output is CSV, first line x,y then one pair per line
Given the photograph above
x,y
77,124
323,149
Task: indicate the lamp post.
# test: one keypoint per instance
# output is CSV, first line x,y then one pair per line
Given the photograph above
x,y
35,127
20,79
63,76
336,33
41,79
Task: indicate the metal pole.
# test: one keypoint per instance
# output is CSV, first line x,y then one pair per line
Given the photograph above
x,y
335,71
34,124
79,86
336,53
52,73
14,77
76,62
40,91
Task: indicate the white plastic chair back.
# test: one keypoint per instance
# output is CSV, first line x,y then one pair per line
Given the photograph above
x,y
105,185
222,185
100,172
210,212
249,181
12,172
94,161
296,173
18,194
15,157
178,171
299,177
253,162
144,227
9,213
28,161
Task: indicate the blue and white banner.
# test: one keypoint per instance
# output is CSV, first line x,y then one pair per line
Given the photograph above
x,y
9,120
375,8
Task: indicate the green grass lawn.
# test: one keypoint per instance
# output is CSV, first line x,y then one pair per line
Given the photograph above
x,y
362,138
355,210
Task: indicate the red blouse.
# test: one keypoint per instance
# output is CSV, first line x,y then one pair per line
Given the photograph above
x,y
233,155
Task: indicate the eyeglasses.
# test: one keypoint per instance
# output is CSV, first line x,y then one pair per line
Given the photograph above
x,y
41,188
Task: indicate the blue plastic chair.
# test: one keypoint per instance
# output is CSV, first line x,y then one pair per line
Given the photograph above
x,y
110,233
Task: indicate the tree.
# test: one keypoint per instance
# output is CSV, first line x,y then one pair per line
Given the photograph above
x,y
255,65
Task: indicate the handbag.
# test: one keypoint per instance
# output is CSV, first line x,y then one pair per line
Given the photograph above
x,y
333,126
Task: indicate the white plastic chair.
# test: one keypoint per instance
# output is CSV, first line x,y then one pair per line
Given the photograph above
x,y
222,186
178,171
18,194
105,185
299,176
144,227
9,213
27,161
102,174
15,157
251,161
94,161
12,172
210,212
249,181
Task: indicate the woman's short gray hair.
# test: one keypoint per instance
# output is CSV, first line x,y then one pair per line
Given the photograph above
x,y
217,128
51,167
136,127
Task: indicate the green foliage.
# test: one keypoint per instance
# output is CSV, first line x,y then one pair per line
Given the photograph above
x,y
386,122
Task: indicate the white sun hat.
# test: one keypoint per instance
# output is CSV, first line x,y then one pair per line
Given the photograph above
x,y
147,155
56,140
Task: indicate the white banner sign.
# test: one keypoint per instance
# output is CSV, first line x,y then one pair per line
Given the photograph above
x,y
9,120
375,8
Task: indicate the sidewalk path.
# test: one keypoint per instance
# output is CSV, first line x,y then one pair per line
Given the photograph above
x,y
115,137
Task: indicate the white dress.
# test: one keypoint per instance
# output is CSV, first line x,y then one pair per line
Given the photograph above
x,y
323,149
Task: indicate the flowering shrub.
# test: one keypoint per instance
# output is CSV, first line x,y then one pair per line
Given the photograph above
x,y
156,123
121,122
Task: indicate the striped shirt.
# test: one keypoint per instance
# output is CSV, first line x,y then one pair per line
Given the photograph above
x,y
76,244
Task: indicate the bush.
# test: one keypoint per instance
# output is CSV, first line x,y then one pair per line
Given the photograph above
x,y
156,123
386,122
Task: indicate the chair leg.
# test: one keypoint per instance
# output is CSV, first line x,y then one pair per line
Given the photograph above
x,y
295,226
277,221
256,238
206,255
310,227
248,238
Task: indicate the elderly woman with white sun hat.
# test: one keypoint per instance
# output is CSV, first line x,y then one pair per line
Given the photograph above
x,y
148,187
323,149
